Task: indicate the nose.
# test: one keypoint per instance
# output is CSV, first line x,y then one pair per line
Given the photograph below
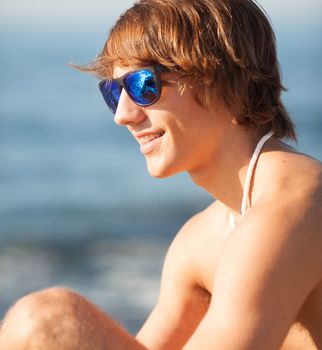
x,y
127,111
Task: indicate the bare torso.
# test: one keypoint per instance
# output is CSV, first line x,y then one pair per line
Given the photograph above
x,y
296,198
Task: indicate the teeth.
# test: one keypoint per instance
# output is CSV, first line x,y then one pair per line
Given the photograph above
x,y
149,138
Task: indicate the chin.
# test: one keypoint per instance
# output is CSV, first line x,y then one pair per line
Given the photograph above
x,y
156,173
160,170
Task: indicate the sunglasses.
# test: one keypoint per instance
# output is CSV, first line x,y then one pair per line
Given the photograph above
x,y
143,86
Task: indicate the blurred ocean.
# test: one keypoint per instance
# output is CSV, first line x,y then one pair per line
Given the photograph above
x,y
77,206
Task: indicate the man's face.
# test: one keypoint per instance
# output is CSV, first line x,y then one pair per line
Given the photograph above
x,y
176,133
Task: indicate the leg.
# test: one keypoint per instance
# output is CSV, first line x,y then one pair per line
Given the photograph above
x,y
58,318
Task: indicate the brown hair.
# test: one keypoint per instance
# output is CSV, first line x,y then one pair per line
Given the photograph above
x,y
222,46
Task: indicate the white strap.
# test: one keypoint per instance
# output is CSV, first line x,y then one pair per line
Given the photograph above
x,y
249,176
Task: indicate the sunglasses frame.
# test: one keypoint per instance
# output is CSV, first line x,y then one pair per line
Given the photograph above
x,y
155,70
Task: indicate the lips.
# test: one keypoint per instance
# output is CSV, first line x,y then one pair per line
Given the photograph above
x,y
149,140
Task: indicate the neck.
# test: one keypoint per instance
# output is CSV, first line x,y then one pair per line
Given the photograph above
x,y
225,171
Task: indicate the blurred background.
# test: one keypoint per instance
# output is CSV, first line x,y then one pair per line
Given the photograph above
x,y
77,206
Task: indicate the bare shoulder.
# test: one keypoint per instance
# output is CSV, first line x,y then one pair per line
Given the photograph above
x,y
292,170
193,255
204,229
288,211
292,193
183,301
213,222
283,229
299,192
210,214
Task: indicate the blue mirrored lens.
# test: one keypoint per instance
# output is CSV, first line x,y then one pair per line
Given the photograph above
x,y
142,87
111,92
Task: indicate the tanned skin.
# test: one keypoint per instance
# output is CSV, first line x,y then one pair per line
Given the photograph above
x,y
258,286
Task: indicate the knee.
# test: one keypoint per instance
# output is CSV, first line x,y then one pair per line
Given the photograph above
x,y
47,304
42,317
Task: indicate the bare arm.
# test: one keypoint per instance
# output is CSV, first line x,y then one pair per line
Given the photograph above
x,y
182,303
270,265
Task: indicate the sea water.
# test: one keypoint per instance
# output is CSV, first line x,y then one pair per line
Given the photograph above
x,y
77,206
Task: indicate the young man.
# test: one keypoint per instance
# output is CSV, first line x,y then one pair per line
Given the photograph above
x,y
197,84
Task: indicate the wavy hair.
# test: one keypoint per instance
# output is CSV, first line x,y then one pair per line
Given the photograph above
x,y
222,47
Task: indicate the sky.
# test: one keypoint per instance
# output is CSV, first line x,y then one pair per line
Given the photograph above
x,y
71,11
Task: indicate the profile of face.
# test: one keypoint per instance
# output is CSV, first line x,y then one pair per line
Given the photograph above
x,y
175,133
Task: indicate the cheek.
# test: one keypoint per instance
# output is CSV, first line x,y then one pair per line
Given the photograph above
x,y
185,120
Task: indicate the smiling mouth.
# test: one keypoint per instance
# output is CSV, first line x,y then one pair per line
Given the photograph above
x,y
149,138
150,142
